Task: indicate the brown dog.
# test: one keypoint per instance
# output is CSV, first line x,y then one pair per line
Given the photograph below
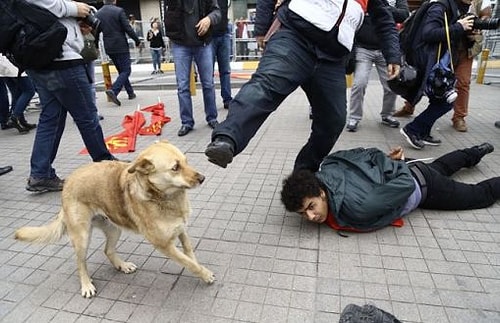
x,y
147,196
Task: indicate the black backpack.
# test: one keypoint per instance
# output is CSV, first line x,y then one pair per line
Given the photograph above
x,y
31,37
411,26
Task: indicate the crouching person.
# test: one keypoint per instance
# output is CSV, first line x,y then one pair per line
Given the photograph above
x,y
364,189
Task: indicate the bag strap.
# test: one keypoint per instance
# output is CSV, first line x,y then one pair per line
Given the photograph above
x,y
342,14
448,42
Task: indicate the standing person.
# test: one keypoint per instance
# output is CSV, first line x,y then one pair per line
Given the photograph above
x,y
470,46
368,52
221,43
364,190
189,26
301,54
156,45
115,27
430,35
21,90
64,87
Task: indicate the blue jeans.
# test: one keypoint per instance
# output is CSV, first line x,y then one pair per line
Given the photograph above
x,y
90,69
365,58
422,124
156,56
22,90
122,63
183,59
290,61
63,91
222,48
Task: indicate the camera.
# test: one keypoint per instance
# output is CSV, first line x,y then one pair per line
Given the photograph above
x,y
91,19
484,24
441,85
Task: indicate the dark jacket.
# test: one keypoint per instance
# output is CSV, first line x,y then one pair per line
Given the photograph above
x,y
378,9
182,16
367,36
155,41
366,189
114,27
221,28
426,42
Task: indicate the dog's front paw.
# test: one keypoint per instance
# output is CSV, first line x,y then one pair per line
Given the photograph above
x,y
127,267
207,276
88,290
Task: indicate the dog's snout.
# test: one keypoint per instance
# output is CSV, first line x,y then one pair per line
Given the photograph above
x,y
200,178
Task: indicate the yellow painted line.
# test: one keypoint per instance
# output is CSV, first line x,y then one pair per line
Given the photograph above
x,y
250,65
495,63
167,67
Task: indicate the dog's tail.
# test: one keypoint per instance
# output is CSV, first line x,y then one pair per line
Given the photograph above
x,y
49,233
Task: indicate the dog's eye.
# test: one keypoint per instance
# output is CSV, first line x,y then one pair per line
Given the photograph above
x,y
175,167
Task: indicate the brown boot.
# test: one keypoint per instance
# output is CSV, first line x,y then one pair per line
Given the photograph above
x,y
460,125
406,111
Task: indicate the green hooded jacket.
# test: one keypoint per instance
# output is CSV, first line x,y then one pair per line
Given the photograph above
x,y
366,189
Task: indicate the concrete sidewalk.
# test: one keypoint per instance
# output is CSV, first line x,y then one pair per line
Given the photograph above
x,y
270,265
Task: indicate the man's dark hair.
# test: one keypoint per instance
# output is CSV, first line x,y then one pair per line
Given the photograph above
x,y
296,187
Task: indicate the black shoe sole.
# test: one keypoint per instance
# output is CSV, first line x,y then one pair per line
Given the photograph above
x,y
218,156
42,189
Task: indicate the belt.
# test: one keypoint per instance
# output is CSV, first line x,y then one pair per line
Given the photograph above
x,y
419,176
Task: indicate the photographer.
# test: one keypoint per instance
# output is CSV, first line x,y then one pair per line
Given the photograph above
x,y
428,42
470,46
63,87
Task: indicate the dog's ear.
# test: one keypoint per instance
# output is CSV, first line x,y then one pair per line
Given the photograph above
x,y
143,166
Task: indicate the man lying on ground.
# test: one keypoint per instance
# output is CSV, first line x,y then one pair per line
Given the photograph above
x,y
364,189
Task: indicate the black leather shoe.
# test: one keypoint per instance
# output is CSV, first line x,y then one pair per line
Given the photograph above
x,y
226,105
112,97
132,96
6,125
184,130
16,123
220,151
24,122
212,124
5,170
485,148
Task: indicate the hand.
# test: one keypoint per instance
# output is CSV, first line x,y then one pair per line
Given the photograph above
x,y
392,71
396,153
83,9
202,26
466,22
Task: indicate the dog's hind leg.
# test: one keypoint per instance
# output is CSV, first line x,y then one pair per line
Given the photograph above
x,y
112,233
78,228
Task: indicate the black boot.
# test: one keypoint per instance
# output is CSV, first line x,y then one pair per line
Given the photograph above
x,y
484,148
16,122
25,123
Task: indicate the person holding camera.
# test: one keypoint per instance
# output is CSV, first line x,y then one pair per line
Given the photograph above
x,y
114,26
470,46
432,41
64,87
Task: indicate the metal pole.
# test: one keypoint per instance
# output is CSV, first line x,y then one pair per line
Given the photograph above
x,y
482,66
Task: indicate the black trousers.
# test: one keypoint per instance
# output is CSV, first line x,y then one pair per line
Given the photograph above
x,y
444,193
